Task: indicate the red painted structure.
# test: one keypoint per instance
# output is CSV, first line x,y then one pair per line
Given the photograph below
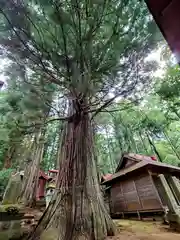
x,y
153,158
166,14
53,171
43,178
106,177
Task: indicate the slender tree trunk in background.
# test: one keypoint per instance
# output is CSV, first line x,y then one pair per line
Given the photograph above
x,y
95,152
28,143
77,210
22,153
9,156
133,141
128,141
31,174
114,158
52,155
171,144
119,140
143,142
153,147
14,145
109,151
61,142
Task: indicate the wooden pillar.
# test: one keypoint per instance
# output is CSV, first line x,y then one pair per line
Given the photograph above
x,y
169,197
155,189
174,209
175,185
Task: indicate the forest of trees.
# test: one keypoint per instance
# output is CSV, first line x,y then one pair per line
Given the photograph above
x,y
78,93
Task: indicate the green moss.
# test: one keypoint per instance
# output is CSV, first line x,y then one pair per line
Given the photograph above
x,y
4,207
4,226
4,235
14,231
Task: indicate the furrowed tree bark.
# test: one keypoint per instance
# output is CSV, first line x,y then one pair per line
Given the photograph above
x,y
61,139
31,174
9,157
77,210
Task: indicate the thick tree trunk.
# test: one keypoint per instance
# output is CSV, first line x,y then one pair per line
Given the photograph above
x,y
61,139
77,210
31,174
9,157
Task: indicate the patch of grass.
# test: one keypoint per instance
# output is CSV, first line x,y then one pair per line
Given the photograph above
x,y
4,207
136,226
10,234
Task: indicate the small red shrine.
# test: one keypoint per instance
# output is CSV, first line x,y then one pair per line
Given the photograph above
x,y
43,179
153,158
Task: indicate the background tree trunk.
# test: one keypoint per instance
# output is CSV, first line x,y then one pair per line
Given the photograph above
x,y
31,174
154,149
9,156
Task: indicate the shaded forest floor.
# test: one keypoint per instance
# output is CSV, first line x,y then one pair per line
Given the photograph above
x,y
142,230
127,229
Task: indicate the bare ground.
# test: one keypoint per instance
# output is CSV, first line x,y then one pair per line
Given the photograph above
x,y
142,230
126,229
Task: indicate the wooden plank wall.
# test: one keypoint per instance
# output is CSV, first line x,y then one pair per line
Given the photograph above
x,y
134,194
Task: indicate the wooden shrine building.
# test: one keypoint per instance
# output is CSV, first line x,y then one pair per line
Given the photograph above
x,y
143,185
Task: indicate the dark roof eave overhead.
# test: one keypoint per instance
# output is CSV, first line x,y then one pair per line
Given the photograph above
x,y
167,17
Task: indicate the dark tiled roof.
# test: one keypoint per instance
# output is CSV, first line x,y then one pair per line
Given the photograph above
x,y
143,161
